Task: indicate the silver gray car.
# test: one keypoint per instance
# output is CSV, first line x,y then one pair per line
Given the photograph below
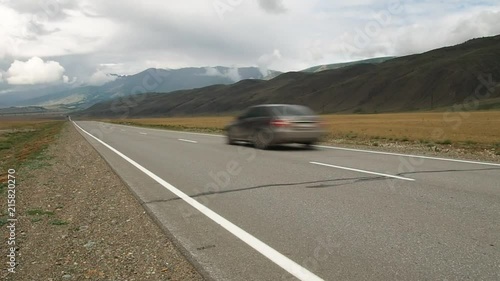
x,y
272,124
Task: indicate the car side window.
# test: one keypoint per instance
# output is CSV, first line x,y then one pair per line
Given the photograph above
x,y
276,111
256,112
260,112
249,114
264,112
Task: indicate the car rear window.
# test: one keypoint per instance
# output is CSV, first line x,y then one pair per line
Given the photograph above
x,y
292,110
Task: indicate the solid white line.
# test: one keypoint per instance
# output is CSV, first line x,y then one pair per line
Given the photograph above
x,y
142,133
362,171
191,141
409,155
287,264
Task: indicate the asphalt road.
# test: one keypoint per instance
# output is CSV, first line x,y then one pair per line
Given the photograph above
x,y
324,213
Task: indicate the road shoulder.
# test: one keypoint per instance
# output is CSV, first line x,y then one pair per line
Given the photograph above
x,y
79,221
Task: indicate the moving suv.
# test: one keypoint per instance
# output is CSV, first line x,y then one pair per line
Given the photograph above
x,y
271,124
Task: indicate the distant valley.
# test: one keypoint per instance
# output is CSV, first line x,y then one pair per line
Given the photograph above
x,y
151,80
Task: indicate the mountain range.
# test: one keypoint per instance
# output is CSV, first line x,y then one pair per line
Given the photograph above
x,y
324,67
462,76
72,97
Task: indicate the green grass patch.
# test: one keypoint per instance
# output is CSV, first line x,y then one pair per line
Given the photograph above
x,y
37,219
38,161
351,136
469,142
59,222
5,145
39,212
3,221
444,142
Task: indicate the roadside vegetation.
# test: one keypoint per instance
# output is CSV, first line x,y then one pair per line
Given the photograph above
x,y
66,194
436,130
22,142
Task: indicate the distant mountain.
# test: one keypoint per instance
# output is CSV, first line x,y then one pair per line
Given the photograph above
x,y
150,80
15,95
439,78
22,110
166,80
340,65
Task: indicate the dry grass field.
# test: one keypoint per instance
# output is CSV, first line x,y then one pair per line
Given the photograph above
x,y
21,140
457,128
20,124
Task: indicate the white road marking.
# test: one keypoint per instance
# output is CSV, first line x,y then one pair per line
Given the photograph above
x,y
142,133
287,264
191,141
362,171
122,130
409,155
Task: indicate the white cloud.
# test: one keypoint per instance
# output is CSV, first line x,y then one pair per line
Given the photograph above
x,y
34,71
232,73
452,29
13,27
130,37
272,6
100,78
212,71
265,61
1,77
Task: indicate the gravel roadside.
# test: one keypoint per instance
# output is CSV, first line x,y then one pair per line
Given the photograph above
x,y
78,221
413,148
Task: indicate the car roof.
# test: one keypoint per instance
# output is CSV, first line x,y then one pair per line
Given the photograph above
x,y
277,104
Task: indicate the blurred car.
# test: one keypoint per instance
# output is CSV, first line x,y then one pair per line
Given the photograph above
x,y
272,124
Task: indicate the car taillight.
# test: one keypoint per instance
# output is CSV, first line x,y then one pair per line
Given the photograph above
x,y
279,123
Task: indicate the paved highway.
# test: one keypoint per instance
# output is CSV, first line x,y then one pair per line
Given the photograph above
x,y
312,214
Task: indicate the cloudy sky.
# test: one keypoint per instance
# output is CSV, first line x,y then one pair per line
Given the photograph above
x,y
63,41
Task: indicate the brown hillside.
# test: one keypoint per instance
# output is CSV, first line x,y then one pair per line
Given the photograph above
x,y
436,79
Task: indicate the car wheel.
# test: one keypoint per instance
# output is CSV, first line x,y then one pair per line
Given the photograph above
x,y
230,139
309,145
262,139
